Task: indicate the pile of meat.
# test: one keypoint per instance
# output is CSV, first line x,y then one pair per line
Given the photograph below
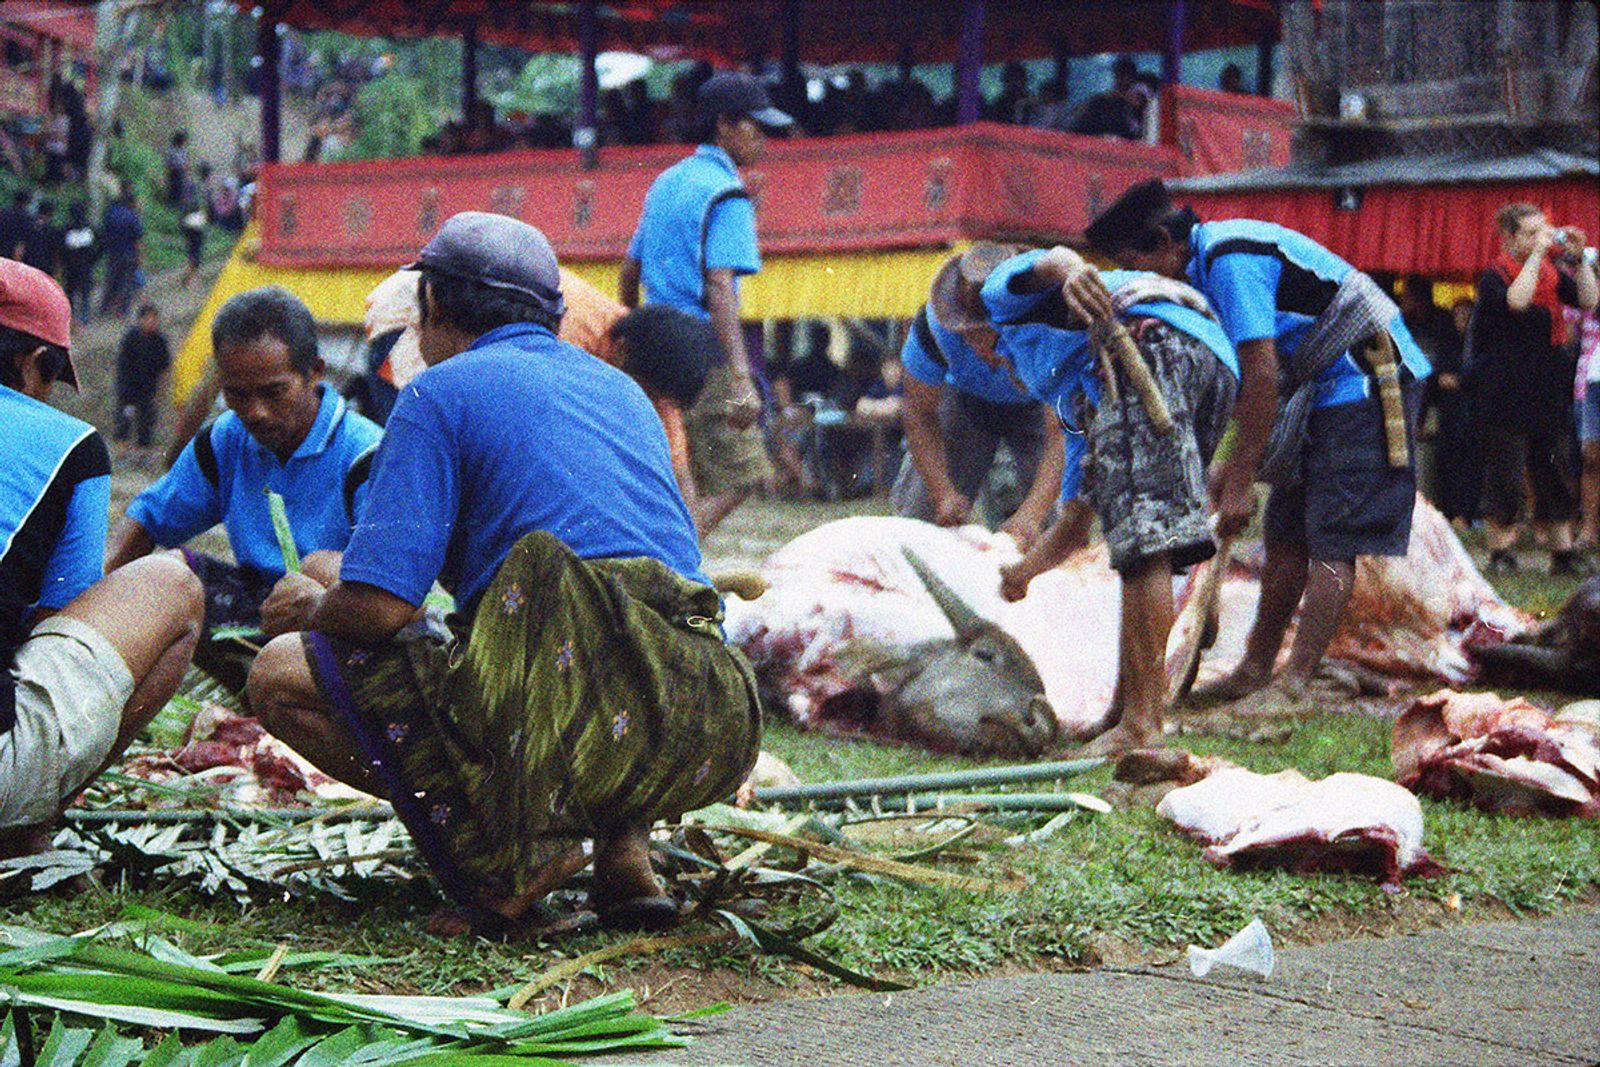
x,y
253,768
1502,755
1351,823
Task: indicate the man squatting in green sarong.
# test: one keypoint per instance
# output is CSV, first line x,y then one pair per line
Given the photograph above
x,y
587,690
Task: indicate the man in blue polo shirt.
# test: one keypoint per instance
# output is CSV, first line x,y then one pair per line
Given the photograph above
x,y
1146,486
285,431
959,410
586,690
85,661
696,236
1339,453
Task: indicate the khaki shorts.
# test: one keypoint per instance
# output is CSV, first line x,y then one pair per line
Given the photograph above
x,y
723,458
71,687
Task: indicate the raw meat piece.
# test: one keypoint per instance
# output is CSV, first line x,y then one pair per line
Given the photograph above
x,y
1344,822
1502,755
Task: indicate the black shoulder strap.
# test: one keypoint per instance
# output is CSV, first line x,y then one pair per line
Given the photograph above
x,y
736,193
206,454
354,478
925,338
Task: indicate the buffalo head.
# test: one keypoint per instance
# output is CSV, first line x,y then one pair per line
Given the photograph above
x,y
977,693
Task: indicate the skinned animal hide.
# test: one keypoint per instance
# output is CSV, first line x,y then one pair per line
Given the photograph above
x,y
1342,823
1502,755
847,584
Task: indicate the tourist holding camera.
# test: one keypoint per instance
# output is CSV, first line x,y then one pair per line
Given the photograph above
x,y
1523,375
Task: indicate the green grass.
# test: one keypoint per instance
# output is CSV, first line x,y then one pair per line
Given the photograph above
x,y
1126,876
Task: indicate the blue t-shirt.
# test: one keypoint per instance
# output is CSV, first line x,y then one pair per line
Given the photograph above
x,y
55,491
121,231
1265,280
520,432
697,217
322,486
1057,365
956,364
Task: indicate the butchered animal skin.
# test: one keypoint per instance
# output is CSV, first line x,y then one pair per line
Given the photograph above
x,y
1502,755
848,636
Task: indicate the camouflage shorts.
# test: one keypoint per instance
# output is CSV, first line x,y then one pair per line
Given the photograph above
x,y
722,456
1149,488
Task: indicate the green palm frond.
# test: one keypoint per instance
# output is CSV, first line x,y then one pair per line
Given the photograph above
x,y
50,986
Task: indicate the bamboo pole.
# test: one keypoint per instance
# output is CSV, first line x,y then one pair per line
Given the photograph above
x,y
919,783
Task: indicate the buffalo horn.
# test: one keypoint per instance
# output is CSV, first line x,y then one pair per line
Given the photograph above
x,y
968,624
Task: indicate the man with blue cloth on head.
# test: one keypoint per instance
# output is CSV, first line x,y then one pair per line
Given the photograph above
x,y
959,410
1327,410
1145,481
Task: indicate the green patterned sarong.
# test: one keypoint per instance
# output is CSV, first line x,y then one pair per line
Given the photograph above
x,y
587,694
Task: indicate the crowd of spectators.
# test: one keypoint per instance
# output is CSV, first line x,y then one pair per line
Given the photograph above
x,y
53,148
845,103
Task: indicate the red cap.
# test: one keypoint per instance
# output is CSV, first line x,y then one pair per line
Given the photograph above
x,y
32,302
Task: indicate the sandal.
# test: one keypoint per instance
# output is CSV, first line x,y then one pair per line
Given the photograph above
x,y
646,914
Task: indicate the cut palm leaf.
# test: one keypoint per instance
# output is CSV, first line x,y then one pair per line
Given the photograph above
x,y
285,535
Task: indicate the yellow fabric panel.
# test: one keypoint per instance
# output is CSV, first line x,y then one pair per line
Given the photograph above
x,y
334,296
1449,294
866,285
887,285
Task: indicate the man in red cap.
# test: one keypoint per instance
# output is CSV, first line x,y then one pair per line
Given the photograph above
x,y
85,660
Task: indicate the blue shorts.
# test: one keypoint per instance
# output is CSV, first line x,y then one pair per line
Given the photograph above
x,y
1586,413
1351,503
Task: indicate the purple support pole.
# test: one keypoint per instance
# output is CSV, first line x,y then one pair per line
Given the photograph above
x,y
789,59
1172,58
1264,65
969,63
586,136
267,50
469,75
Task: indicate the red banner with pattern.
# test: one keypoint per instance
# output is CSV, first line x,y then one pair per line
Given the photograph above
x,y
892,190
1221,133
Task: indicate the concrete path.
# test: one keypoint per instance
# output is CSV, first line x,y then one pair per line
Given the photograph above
x,y
1503,993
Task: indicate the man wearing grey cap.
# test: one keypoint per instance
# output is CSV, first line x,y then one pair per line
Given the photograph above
x,y
585,690
696,236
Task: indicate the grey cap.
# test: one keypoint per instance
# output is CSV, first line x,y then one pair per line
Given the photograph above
x,y
497,251
736,93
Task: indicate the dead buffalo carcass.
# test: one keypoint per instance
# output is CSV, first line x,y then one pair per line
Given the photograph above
x,y
1562,653
1418,618
848,638
894,628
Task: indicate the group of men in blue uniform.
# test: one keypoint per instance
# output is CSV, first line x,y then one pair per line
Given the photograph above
x,y
1237,322
511,433
514,457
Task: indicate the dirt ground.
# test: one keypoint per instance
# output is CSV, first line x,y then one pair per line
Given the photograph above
x,y
1496,993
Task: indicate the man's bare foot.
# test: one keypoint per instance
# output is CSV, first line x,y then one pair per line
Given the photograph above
x,y
1283,698
626,894
1121,738
535,924
1239,683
